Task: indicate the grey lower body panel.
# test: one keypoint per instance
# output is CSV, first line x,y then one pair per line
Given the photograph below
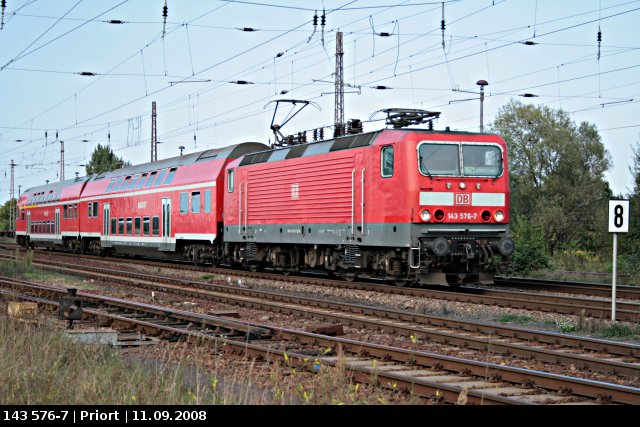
x,y
373,235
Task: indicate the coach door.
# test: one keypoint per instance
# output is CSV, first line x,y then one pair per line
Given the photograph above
x,y
28,229
166,220
57,224
106,220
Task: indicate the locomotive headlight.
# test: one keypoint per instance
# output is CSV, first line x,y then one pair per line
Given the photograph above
x,y
499,216
462,185
425,215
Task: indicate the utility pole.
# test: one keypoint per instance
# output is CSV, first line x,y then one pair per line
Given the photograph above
x,y
12,223
154,133
339,110
482,84
61,160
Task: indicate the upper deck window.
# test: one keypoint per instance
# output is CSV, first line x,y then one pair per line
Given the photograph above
x,y
172,173
481,160
125,183
134,180
161,175
110,186
142,180
439,159
152,177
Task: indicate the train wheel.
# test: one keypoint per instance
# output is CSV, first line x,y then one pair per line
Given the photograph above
x,y
402,282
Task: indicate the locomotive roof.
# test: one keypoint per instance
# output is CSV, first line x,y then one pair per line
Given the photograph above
x,y
330,145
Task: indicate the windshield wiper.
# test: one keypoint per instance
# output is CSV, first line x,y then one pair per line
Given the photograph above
x,y
424,166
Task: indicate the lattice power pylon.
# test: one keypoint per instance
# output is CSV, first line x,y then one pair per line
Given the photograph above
x,y
61,160
154,133
339,113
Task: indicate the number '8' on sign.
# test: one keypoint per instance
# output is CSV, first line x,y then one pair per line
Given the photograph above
x,y
618,216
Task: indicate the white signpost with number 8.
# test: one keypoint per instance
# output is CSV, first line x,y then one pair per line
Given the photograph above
x,y
618,223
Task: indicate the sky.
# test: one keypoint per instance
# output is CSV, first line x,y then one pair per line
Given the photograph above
x,y
89,70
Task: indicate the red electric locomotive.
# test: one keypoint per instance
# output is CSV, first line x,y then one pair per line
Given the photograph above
x,y
405,205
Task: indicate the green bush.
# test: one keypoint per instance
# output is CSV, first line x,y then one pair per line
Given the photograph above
x,y
531,252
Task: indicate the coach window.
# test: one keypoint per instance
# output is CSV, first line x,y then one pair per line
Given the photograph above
x,y
184,203
110,186
195,202
230,180
95,209
90,209
145,225
172,173
129,226
143,178
23,214
121,226
64,212
161,175
134,180
207,201
136,226
113,225
386,162
75,210
156,225
125,183
152,177
118,184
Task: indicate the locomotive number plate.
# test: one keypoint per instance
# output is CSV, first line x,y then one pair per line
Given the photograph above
x,y
463,199
462,215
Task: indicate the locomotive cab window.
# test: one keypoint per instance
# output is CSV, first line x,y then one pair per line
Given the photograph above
x,y
230,180
481,160
386,162
439,159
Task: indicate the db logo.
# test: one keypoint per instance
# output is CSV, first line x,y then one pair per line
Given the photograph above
x,y
463,198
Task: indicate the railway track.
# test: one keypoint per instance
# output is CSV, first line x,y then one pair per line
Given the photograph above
x,y
558,349
597,308
438,378
583,288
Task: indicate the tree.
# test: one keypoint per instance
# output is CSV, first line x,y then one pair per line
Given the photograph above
x,y
4,215
103,160
630,242
557,174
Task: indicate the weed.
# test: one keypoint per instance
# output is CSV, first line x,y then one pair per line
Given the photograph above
x,y
516,319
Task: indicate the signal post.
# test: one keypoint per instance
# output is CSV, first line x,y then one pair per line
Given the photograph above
x,y
618,223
